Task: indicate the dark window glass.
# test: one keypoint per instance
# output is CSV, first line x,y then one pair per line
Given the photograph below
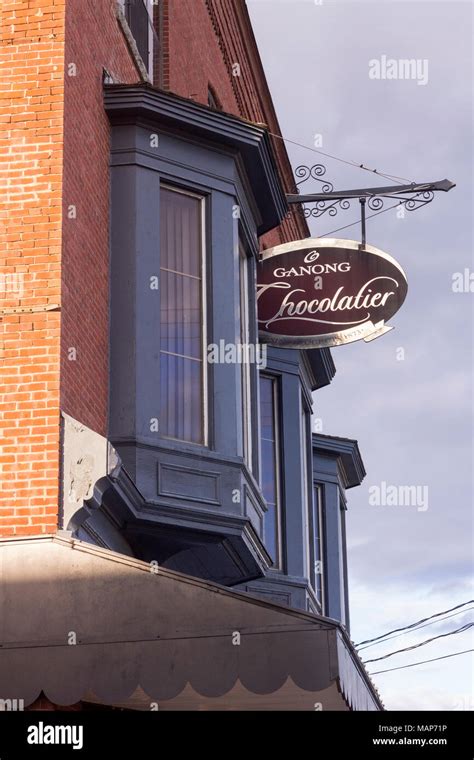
x,y
270,466
136,14
181,360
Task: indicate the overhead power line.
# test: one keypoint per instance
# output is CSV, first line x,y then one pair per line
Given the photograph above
x,y
422,643
422,662
403,633
414,625
341,160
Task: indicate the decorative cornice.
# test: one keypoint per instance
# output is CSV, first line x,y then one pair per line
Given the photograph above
x,y
346,450
125,103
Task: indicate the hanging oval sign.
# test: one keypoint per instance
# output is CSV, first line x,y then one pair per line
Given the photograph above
x,y
323,292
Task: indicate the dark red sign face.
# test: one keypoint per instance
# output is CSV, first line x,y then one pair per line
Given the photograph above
x,y
323,292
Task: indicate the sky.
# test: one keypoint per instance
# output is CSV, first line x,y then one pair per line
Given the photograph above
x,y
407,397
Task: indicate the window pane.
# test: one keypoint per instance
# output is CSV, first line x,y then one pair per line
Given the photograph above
x,y
266,408
317,574
137,18
181,384
304,435
181,323
181,314
271,531
268,470
316,521
246,371
180,232
270,463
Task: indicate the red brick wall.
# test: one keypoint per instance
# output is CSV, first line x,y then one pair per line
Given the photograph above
x,y
195,59
202,43
54,155
31,118
94,40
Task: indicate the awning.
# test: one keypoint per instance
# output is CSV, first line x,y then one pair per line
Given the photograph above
x,y
79,622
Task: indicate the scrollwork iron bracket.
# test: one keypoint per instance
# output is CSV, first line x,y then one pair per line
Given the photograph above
x,y
329,201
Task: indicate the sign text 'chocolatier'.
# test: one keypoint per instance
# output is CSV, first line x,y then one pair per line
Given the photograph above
x,y
322,292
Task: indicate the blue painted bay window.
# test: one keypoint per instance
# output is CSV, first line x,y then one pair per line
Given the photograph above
x,y
192,190
287,475
337,466
222,486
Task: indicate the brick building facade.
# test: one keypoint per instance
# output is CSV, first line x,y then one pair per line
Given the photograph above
x,y
55,320
90,490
